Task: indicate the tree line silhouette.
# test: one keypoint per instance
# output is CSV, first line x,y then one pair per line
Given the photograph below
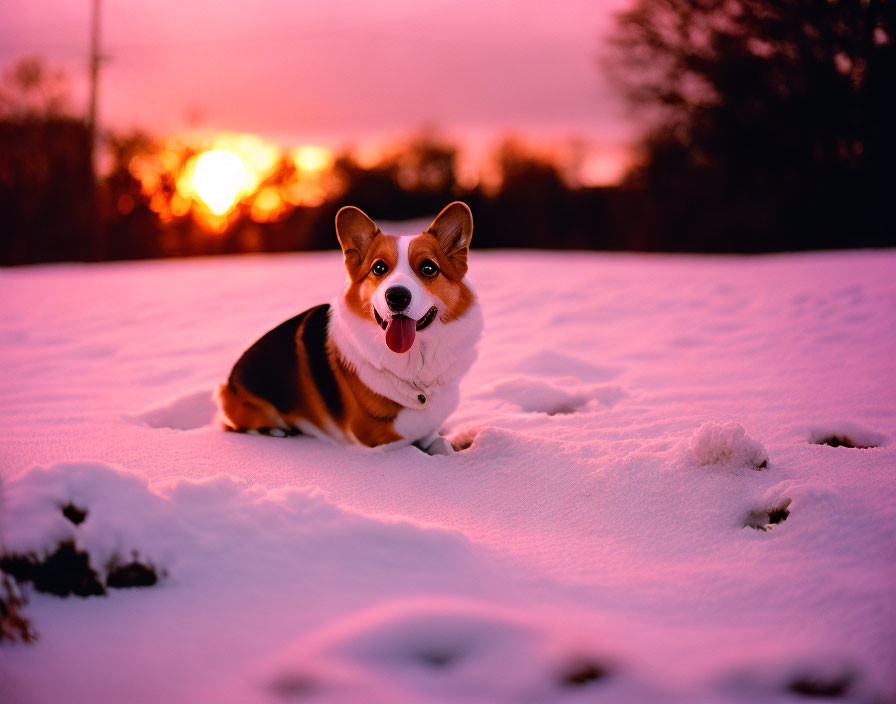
x,y
770,128
55,211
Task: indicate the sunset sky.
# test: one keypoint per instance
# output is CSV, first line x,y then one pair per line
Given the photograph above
x,y
340,73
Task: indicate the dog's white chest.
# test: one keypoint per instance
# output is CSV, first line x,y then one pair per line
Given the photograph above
x,y
433,368
415,423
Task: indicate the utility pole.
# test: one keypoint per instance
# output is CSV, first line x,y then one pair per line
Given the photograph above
x,y
94,69
97,235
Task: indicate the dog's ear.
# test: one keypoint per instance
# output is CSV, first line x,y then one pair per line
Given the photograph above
x,y
453,228
355,232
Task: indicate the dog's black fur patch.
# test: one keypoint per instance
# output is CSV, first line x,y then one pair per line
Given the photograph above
x,y
269,368
314,337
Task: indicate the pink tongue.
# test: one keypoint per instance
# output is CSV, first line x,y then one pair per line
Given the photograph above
x,y
400,333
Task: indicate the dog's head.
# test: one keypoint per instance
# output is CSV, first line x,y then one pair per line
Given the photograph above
x,y
406,285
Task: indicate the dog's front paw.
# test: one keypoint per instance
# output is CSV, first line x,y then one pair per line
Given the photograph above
x,y
440,446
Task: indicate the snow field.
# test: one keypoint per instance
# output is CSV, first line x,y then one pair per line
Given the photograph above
x,y
643,511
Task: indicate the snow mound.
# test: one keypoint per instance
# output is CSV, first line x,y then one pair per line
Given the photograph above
x,y
184,412
539,396
726,445
118,514
436,650
819,673
551,362
190,527
809,502
768,514
820,503
845,434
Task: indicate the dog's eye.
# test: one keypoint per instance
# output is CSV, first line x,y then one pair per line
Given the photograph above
x,y
429,268
379,267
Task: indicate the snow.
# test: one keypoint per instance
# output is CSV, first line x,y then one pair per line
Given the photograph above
x,y
611,530
553,398
859,436
726,444
186,412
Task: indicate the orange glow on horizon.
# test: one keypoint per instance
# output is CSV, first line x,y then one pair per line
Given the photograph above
x,y
267,205
217,179
311,158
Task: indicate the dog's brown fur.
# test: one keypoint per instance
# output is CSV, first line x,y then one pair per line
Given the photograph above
x,y
342,402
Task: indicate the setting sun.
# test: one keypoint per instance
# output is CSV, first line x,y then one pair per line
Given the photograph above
x,y
219,177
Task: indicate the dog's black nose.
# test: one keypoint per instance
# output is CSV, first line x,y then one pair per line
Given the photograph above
x,y
398,298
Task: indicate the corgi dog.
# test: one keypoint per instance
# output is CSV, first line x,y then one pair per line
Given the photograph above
x,y
382,363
